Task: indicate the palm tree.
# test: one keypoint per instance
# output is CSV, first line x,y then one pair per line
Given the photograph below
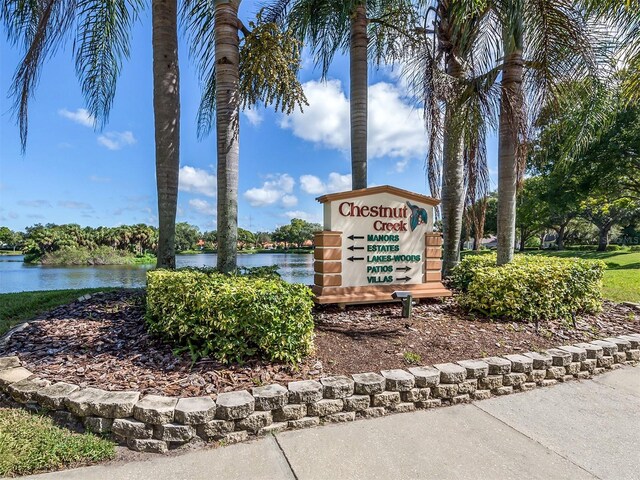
x,y
364,28
260,69
102,36
624,17
166,114
450,72
549,41
227,79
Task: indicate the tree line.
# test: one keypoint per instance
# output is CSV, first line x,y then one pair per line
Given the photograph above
x,y
140,239
582,188
473,65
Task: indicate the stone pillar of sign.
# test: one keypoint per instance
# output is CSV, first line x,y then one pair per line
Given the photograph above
x,y
433,257
327,266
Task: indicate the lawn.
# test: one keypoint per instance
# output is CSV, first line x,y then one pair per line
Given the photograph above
x,y
622,277
33,443
18,307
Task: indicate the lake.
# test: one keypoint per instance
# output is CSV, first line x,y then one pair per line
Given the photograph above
x,y
16,276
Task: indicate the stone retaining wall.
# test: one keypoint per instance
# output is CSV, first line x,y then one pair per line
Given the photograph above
x,y
155,423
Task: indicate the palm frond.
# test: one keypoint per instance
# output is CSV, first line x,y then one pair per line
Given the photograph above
x,y
197,19
41,28
102,43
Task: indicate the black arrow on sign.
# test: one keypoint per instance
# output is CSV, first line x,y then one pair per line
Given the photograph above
x,y
353,247
353,237
404,269
404,278
355,258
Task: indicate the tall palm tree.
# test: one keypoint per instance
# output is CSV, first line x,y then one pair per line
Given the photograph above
x,y
227,80
166,114
451,69
262,68
101,32
364,28
550,42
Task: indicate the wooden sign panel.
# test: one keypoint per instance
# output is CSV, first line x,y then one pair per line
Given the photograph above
x,y
375,241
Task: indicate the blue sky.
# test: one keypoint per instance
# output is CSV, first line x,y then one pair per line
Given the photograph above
x,y
74,174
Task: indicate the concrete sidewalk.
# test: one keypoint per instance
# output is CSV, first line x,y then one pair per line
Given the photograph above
x,y
587,429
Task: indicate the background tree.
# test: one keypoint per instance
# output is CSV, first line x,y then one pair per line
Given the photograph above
x,y
9,238
529,221
187,236
605,213
297,232
246,238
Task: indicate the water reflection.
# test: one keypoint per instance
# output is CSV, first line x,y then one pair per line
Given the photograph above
x,y
15,276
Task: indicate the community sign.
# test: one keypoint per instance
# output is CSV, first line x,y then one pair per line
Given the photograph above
x,y
376,241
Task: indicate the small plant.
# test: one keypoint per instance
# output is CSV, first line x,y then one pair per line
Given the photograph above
x,y
412,358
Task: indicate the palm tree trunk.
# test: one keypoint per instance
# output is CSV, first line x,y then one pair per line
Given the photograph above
x,y
511,108
358,97
166,110
453,192
227,130
453,189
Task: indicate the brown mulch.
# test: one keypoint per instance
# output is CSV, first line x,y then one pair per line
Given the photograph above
x,y
102,342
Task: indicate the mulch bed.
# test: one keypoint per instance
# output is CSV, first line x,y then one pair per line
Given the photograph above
x,y
102,342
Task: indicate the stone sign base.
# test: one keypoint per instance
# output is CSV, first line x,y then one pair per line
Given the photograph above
x,y
377,294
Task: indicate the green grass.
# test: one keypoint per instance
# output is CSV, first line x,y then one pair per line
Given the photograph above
x,y
622,277
33,443
18,307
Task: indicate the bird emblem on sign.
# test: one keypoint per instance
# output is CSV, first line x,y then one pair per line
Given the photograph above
x,y
418,216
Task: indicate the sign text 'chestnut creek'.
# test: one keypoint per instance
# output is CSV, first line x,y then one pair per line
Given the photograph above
x,y
382,238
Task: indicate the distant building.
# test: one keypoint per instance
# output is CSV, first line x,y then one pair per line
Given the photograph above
x,y
490,242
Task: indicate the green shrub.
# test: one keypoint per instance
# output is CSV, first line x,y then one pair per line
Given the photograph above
x,y
101,255
230,317
463,273
531,287
612,247
634,248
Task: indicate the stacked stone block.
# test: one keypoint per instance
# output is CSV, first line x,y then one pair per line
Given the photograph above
x,y
155,423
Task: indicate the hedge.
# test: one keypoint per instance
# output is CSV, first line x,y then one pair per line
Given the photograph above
x,y
230,318
531,287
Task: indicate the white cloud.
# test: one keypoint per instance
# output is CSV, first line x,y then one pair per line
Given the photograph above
x,y
255,118
326,119
202,206
277,188
196,180
395,129
116,140
289,201
401,165
75,205
98,179
336,183
80,116
309,217
35,203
